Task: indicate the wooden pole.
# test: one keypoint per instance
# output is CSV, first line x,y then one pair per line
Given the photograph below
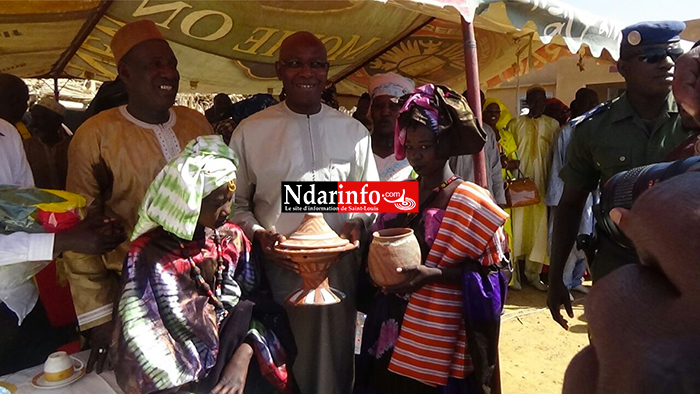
x,y
55,88
471,67
83,33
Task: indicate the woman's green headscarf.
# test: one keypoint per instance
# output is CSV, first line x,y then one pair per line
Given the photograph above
x,y
174,198
505,114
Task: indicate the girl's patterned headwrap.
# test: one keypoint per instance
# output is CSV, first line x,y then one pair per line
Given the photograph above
x,y
174,198
447,114
420,106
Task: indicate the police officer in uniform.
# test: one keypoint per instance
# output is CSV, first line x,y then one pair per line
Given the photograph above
x,y
640,127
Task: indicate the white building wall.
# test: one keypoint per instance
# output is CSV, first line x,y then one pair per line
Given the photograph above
x,y
561,80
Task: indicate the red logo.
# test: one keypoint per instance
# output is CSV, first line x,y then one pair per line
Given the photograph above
x,y
374,197
378,197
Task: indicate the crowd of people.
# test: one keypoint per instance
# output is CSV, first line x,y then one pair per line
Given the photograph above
x,y
174,276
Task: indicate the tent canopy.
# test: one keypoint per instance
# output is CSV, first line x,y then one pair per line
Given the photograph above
x,y
692,30
231,46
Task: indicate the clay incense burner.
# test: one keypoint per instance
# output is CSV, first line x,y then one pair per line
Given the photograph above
x,y
314,246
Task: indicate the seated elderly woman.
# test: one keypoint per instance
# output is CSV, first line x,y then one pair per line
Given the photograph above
x,y
184,319
438,330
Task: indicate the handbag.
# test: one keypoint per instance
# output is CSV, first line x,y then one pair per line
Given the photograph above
x,y
521,191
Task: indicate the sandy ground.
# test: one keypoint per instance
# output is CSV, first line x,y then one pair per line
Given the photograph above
x,y
534,350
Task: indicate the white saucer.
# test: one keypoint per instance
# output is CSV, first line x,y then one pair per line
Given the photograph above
x,y
41,383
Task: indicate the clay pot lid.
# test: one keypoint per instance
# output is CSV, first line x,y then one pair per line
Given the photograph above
x,y
313,233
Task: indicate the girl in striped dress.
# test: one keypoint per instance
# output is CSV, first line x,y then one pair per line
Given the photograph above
x,y
437,331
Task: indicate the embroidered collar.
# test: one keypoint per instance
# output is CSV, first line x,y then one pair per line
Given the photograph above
x,y
170,123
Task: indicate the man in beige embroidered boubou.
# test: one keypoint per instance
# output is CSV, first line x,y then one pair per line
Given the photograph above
x,y
302,139
112,160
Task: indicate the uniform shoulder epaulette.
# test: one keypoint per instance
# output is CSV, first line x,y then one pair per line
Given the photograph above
x,y
598,109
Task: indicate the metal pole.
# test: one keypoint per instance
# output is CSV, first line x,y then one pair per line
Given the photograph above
x,y
55,88
471,67
517,89
518,71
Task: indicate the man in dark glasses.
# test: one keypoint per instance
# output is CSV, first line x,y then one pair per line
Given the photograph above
x,y
640,127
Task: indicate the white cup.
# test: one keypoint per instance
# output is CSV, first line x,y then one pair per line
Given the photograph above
x,y
59,366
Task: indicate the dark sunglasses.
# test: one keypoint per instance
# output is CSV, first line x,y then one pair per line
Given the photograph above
x,y
656,54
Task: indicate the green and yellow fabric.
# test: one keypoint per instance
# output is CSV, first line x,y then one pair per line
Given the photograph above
x,y
174,198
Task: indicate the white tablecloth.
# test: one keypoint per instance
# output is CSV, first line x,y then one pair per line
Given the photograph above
x,y
92,383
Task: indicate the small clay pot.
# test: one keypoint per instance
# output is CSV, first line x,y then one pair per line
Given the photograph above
x,y
390,249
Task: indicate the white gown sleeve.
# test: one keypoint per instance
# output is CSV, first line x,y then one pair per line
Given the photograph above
x,y
368,172
243,214
493,161
20,247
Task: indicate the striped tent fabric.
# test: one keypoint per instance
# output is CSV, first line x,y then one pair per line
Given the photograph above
x,y
432,342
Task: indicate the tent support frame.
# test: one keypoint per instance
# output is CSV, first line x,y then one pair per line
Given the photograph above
x,y
471,66
90,23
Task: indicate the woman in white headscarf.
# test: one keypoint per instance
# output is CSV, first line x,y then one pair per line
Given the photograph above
x,y
184,315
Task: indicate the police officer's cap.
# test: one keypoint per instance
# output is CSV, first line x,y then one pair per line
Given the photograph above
x,y
650,33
